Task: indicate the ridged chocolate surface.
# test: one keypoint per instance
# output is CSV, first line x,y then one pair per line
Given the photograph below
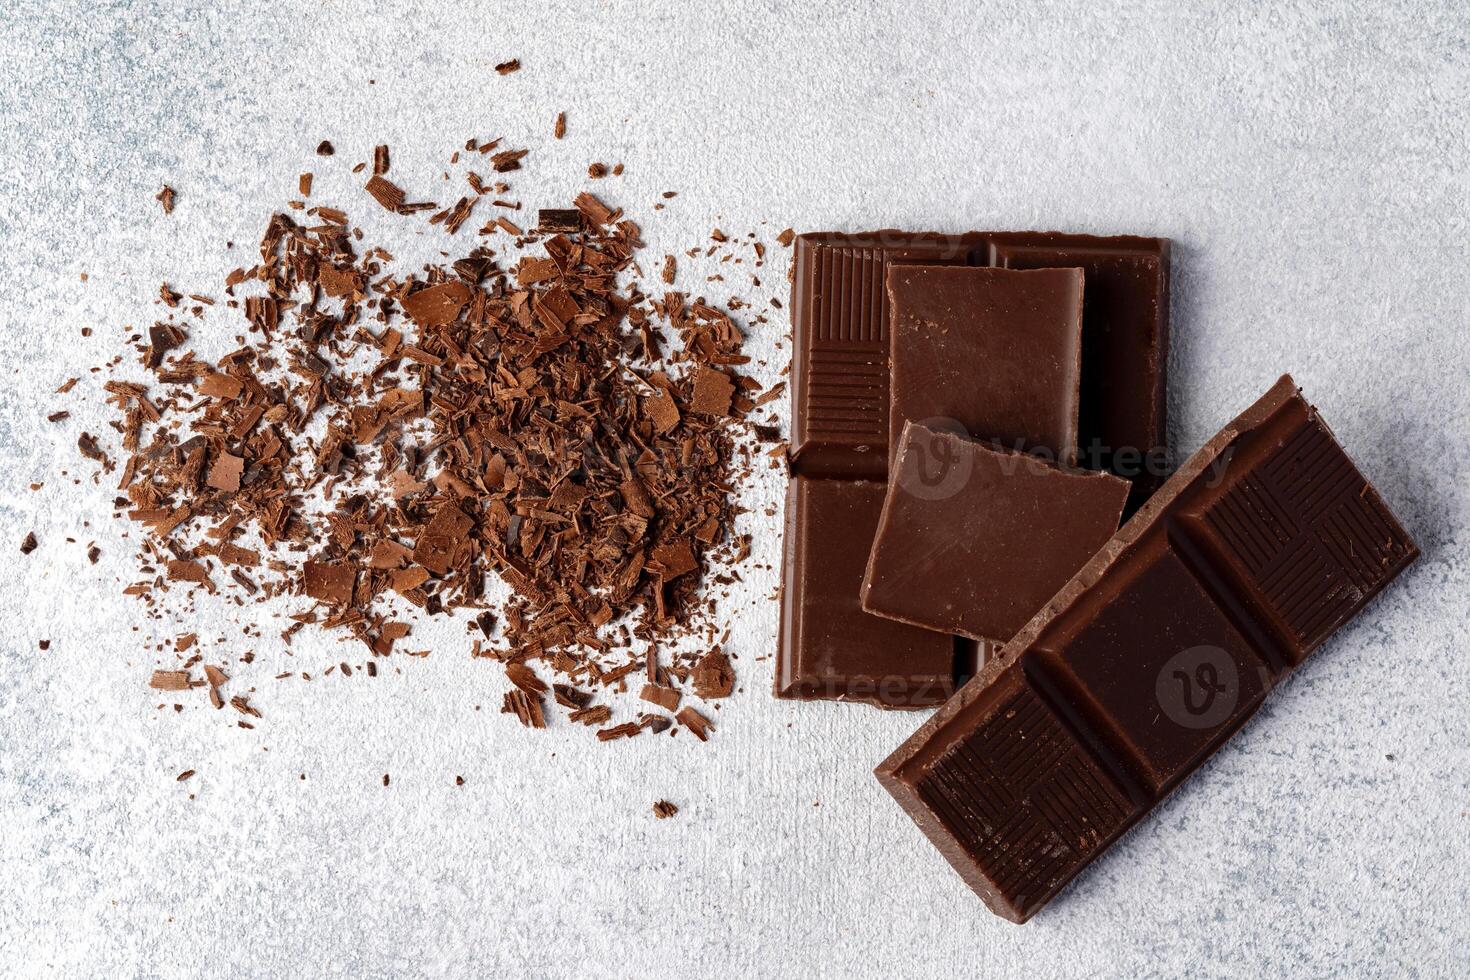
x,y
1159,649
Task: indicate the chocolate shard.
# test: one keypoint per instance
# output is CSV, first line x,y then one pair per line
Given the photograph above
x,y
1156,652
995,352
554,220
973,541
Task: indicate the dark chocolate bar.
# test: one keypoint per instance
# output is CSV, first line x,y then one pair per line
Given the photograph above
x,y
996,351
1265,542
973,541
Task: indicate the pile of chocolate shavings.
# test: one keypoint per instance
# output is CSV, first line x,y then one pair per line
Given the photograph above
x,y
386,440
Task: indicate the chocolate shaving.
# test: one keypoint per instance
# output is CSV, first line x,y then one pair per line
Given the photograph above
x,y
385,438
169,680
695,722
713,676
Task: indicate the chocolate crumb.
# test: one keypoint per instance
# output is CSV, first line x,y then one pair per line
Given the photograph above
x,y
28,543
325,149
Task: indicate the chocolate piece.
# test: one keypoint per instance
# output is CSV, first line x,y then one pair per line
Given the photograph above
x,y
840,330
829,647
1125,347
1154,654
996,351
839,319
974,541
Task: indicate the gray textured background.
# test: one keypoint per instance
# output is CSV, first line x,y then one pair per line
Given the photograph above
x,y
1309,162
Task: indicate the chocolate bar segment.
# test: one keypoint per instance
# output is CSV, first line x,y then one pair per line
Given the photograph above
x,y
974,541
829,647
840,380
996,351
1151,657
1125,346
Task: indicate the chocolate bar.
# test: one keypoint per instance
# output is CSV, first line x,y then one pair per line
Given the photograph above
x,y
1156,652
995,351
840,324
972,541
841,398
831,649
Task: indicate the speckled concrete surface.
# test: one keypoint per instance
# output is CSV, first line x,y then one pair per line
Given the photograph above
x,y
1309,162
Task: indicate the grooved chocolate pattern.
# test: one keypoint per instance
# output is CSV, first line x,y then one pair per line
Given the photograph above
x,y
1023,798
1310,533
847,362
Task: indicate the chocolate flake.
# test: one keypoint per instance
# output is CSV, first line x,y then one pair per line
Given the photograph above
x,y
383,437
695,722
713,676
169,680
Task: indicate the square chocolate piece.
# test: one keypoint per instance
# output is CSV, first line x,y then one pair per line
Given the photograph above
x,y
974,541
996,351
829,648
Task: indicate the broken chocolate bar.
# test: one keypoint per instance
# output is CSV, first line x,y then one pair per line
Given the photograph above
x,y
996,351
973,541
840,326
1155,653
829,647
840,369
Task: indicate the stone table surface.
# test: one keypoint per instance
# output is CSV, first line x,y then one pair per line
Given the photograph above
x,y
1309,162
